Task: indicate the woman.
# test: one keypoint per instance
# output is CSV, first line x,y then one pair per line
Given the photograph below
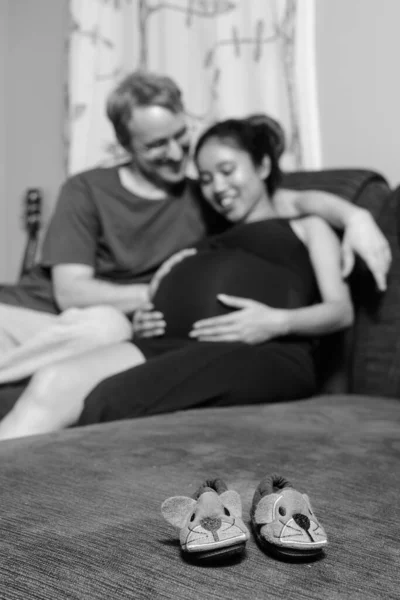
x,y
216,351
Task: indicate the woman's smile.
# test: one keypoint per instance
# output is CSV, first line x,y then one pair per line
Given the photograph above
x,y
225,201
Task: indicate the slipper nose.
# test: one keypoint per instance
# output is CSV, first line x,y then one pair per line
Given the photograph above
x,y
211,523
302,521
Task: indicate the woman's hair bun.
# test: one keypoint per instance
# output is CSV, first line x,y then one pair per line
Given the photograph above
x,y
266,125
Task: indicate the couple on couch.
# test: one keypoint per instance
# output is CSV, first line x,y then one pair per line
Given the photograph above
x,y
233,319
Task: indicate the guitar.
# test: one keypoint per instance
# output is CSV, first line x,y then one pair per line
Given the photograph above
x,y
32,222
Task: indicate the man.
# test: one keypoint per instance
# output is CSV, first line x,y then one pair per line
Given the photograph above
x,y
113,227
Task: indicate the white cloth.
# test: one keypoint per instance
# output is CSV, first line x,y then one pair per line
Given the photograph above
x,y
30,339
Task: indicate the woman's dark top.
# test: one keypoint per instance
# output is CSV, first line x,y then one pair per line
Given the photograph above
x,y
265,261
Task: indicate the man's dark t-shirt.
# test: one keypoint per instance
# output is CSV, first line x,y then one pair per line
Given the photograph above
x,y
99,223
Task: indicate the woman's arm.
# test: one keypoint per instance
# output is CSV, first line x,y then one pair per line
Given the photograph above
x,y
335,311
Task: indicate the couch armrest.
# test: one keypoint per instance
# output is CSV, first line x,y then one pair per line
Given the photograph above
x,y
376,355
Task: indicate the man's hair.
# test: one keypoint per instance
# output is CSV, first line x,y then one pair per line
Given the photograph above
x,y
140,88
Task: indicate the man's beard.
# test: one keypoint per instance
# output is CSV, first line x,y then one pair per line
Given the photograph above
x,y
153,176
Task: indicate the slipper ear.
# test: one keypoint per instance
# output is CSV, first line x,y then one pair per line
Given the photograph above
x,y
176,510
231,500
264,512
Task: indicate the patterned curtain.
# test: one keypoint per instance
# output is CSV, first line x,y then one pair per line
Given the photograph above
x,y
230,58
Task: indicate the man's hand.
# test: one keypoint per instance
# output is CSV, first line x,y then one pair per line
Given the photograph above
x,y
147,322
363,237
166,268
253,323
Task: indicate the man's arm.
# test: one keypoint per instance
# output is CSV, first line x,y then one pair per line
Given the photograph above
x,y
76,286
361,233
337,211
70,249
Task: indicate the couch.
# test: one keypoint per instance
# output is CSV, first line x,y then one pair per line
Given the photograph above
x,y
80,509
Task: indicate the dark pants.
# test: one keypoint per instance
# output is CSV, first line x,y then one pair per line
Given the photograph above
x,y
205,374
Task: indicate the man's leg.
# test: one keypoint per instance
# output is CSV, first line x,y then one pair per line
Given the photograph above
x,y
55,396
73,332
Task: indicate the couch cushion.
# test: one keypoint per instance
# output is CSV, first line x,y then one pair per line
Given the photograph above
x,y
80,510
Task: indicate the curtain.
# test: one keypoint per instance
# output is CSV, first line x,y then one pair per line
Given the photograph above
x,y
231,58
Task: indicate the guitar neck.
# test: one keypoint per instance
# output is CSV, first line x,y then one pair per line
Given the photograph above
x,y
33,202
29,255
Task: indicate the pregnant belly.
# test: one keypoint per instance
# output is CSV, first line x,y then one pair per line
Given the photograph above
x,y
189,292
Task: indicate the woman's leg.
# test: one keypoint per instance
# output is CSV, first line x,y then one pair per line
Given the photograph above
x,y
204,374
74,332
55,396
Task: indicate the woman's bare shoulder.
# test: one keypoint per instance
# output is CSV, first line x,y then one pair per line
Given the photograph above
x,y
285,202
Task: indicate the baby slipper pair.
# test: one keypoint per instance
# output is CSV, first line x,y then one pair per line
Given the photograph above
x,y
210,524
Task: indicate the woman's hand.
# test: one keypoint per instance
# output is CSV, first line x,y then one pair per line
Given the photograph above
x,y
166,268
147,322
363,237
253,323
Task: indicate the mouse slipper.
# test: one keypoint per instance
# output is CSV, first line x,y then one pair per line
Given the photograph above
x,y
210,524
284,522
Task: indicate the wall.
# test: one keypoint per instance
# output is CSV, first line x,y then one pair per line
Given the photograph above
x,y
32,38
4,254
358,49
